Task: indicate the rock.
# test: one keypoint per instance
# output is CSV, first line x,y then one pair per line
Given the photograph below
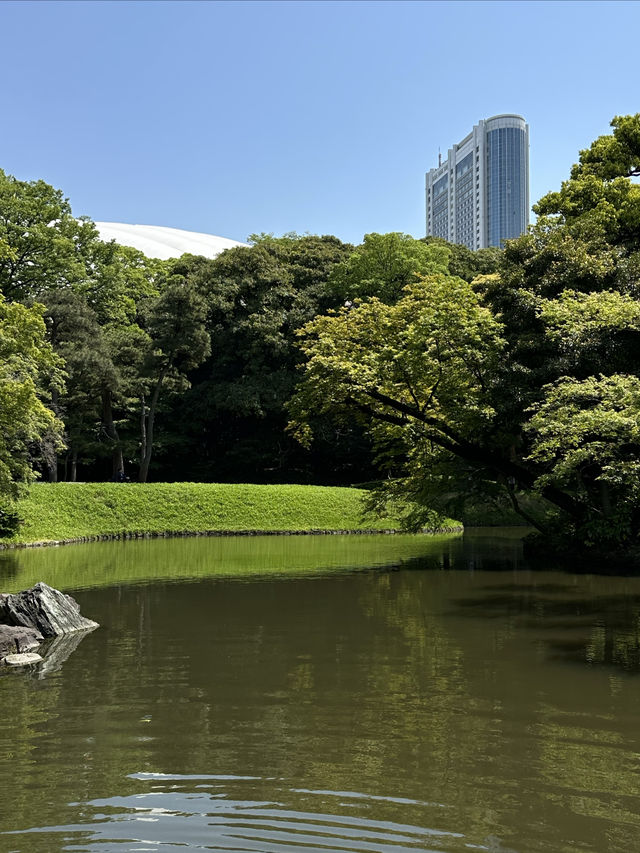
x,y
48,610
22,660
18,639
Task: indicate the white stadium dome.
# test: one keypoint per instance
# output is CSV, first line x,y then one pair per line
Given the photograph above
x,y
156,241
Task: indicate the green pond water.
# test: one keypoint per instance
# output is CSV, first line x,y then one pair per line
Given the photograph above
x,y
296,694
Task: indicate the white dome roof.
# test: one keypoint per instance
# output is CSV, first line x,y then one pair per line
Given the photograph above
x,y
156,241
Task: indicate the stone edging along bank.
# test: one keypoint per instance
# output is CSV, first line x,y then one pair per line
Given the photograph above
x,y
176,534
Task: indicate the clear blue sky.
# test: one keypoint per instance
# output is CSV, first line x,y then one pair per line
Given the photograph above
x,y
239,117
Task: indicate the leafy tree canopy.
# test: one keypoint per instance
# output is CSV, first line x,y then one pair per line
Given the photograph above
x,y
49,246
531,385
28,367
464,262
614,155
231,422
386,263
257,297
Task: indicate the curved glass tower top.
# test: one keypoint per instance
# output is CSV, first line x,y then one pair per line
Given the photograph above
x,y
507,147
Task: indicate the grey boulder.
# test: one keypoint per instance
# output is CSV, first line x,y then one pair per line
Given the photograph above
x,y
44,609
14,639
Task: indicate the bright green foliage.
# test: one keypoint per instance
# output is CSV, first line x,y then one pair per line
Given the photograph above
x,y
431,352
587,434
583,317
464,262
419,371
592,330
122,278
49,247
599,204
27,364
569,294
547,394
89,288
613,155
384,264
46,248
6,252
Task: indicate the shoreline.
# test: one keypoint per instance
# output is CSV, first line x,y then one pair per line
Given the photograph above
x,y
183,534
74,513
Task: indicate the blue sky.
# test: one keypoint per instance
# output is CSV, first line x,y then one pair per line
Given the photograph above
x,y
239,117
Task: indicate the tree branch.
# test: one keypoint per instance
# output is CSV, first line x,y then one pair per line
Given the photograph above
x,y
446,438
521,512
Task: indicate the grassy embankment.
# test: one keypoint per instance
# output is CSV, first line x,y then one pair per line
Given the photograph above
x,y
77,511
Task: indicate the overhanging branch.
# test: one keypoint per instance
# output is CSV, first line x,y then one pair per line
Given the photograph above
x,y
448,439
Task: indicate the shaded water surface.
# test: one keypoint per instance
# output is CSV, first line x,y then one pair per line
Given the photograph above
x,y
380,694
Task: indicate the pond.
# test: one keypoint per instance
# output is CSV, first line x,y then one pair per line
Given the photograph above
x,y
364,693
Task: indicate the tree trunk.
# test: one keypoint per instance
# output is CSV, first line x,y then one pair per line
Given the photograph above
x,y
521,512
605,499
148,422
49,447
74,465
109,428
143,429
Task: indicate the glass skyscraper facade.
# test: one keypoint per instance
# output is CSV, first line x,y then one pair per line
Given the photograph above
x,y
507,195
479,196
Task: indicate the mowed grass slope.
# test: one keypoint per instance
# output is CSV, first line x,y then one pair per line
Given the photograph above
x,y
83,510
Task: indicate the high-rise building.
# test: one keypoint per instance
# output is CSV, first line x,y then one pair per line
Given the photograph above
x,y
479,195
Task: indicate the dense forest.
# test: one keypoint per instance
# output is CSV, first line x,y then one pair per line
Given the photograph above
x,y
180,370
440,374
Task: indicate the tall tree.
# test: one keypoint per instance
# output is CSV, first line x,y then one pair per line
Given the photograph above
x,y
28,369
231,424
50,248
179,341
54,257
78,338
555,366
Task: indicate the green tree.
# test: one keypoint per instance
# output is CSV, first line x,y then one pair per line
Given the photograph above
x,y
464,262
587,435
421,374
95,292
231,423
386,263
559,367
179,341
79,340
28,367
615,155
50,248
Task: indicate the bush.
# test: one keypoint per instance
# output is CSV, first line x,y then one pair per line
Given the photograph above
x,y
10,521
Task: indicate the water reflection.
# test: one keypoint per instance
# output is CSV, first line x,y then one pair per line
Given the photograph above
x,y
595,622
97,564
417,708
9,566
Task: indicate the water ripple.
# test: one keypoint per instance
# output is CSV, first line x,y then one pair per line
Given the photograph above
x,y
178,815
